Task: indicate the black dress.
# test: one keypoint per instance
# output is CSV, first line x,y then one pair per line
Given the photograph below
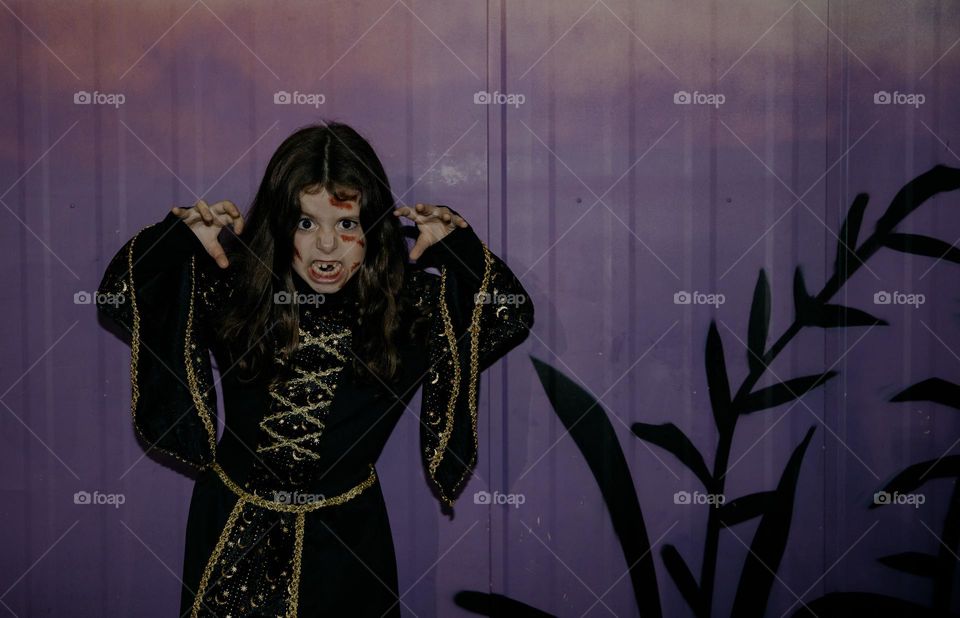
x,y
287,516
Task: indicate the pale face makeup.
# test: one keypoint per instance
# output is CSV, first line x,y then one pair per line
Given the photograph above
x,y
328,246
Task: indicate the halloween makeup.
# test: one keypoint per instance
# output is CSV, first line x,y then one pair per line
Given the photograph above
x,y
328,244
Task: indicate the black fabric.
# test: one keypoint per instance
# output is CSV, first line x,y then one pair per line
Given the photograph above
x,y
317,433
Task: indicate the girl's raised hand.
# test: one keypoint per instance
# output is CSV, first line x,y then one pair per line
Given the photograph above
x,y
434,222
207,221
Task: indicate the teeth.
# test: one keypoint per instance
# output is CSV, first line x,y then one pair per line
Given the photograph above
x,y
325,268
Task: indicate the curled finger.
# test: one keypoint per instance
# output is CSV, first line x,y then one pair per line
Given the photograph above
x,y
204,211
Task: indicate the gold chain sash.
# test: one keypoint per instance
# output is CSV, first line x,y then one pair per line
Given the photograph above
x,y
272,505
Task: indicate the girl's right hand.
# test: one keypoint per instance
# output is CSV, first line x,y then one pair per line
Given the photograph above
x,y
207,221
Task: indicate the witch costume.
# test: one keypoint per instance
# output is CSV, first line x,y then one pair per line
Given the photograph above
x,y
287,517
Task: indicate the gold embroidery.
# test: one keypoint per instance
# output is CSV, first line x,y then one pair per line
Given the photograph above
x,y
475,348
314,376
245,498
295,508
323,341
444,436
135,358
215,556
297,556
436,454
302,399
192,380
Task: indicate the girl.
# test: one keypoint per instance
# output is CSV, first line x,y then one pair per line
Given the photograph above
x,y
322,331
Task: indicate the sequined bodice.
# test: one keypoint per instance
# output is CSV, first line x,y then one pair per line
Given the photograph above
x,y
291,431
293,427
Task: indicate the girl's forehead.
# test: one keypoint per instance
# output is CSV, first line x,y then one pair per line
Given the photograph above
x,y
320,201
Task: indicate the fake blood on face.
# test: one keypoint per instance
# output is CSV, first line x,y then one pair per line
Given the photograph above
x,y
343,204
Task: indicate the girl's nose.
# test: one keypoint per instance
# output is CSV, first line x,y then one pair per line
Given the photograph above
x,y
326,240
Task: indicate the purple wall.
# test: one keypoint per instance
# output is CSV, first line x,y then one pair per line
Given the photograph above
x,y
601,192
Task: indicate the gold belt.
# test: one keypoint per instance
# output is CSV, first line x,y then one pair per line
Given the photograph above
x,y
294,508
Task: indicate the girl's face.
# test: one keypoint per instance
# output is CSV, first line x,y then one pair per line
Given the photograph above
x,y
328,246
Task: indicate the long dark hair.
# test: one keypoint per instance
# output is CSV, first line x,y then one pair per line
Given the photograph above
x,y
334,156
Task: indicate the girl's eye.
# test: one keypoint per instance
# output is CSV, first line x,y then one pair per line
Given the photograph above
x,y
350,224
304,223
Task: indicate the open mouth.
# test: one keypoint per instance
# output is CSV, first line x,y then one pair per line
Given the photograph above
x,y
325,271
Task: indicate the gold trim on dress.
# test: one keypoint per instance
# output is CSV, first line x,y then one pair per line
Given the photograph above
x,y
444,436
192,380
135,359
299,528
215,556
298,405
244,498
294,508
437,454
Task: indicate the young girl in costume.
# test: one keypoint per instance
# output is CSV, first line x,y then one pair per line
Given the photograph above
x,y
322,330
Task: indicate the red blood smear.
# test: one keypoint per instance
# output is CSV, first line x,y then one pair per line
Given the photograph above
x,y
337,203
361,243
347,238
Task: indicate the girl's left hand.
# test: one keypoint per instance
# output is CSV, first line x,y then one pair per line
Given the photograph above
x,y
434,222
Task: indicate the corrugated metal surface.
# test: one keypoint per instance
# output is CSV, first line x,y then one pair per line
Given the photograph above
x,y
604,189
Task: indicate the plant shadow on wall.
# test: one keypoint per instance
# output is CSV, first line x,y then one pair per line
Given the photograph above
x,y
591,430
939,568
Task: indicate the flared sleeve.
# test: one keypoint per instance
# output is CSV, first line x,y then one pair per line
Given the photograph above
x,y
479,311
163,289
